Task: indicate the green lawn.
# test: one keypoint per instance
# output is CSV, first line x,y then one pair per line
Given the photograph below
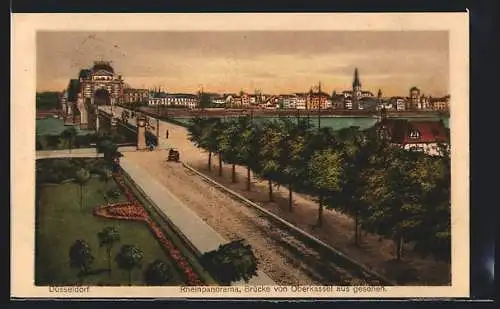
x,y
60,222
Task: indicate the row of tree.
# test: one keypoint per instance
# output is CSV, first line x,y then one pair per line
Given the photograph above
x,y
47,100
399,194
128,258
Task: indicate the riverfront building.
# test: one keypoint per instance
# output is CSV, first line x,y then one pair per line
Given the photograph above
x,y
417,135
132,95
353,99
186,100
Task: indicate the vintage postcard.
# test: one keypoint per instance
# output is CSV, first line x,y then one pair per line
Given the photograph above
x,y
240,155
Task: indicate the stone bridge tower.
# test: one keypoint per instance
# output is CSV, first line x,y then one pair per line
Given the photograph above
x,y
99,85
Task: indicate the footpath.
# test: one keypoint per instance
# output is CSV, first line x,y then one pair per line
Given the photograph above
x,y
203,237
77,153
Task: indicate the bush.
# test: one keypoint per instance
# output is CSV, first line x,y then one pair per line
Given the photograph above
x,y
113,193
231,262
157,273
57,170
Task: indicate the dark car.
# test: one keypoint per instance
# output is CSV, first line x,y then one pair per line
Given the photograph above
x,y
173,155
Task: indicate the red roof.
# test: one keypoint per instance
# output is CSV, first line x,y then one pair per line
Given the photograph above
x,y
405,131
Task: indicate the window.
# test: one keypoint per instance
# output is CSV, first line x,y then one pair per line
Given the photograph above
x,y
414,134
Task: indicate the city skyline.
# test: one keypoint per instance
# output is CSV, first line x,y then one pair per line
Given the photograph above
x,y
273,61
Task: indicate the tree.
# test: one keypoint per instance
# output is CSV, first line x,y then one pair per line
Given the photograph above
x,y
228,146
47,100
105,174
435,236
69,136
394,197
107,238
73,89
230,142
81,257
195,130
128,258
209,139
198,135
325,170
269,154
231,262
157,273
356,148
249,149
82,177
108,149
205,100
292,150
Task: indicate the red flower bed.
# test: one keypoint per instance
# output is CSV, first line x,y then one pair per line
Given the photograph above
x,y
133,210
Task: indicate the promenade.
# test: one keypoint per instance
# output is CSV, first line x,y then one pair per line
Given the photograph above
x,y
200,234
77,153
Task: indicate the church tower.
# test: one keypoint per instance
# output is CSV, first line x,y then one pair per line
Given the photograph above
x,y
356,90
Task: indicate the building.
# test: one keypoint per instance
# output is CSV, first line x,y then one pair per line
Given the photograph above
x,y
300,101
423,103
414,134
413,99
157,98
353,99
368,104
399,103
186,100
317,100
387,105
356,91
101,78
440,104
271,102
245,100
337,100
63,100
98,85
254,99
132,96
288,101
218,101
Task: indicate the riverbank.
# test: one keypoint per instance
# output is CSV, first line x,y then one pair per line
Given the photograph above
x,y
221,112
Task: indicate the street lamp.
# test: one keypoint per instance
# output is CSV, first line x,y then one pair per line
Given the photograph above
x,y
319,105
141,121
158,125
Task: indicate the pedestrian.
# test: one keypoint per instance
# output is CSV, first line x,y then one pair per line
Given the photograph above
x,y
167,133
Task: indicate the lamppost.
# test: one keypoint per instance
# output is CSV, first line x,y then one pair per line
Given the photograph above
x,y
200,101
141,128
111,103
158,122
319,105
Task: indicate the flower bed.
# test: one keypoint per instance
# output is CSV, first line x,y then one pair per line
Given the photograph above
x,y
133,210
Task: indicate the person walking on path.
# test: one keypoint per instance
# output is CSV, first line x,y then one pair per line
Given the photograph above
x,y
167,134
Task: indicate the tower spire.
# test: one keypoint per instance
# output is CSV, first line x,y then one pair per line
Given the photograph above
x,y
356,83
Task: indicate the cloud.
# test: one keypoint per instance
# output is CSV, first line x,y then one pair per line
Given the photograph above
x,y
229,61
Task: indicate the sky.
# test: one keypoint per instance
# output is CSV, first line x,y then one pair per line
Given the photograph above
x,y
271,61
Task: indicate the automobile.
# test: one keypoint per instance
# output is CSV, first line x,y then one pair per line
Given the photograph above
x,y
173,155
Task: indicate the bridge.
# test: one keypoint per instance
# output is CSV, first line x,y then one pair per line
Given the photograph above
x,y
139,125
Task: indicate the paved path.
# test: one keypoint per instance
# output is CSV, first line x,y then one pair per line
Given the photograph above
x,y
77,153
199,233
